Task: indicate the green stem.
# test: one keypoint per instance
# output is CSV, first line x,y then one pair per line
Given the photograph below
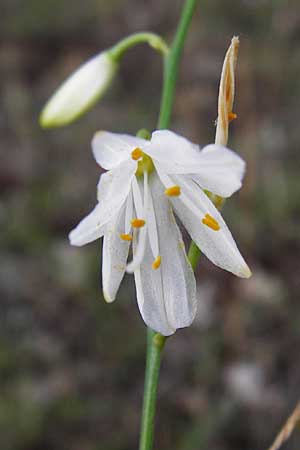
x,y
194,255
172,63
155,345
155,41
155,341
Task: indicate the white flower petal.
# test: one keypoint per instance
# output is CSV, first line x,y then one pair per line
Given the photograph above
x,y
114,187
173,152
79,92
89,229
110,149
149,294
177,275
167,295
114,257
219,246
220,170
215,168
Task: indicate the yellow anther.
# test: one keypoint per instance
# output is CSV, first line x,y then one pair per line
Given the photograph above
x,y
136,154
138,223
173,191
231,116
210,222
126,237
156,263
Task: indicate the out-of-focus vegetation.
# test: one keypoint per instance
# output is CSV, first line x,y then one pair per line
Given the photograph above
x,y
71,367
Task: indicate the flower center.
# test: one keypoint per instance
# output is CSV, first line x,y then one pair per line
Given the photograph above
x,y
145,163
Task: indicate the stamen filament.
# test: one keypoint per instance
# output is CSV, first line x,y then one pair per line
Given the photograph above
x,y
152,228
142,209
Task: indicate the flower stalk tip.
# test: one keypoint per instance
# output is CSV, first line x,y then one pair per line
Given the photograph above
x,y
153,40
159,340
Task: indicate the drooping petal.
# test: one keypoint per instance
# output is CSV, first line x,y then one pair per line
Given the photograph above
x,y
177,275
110,149
114,257
220,170
216,242
79,92
167,295
150,298
114,187
89,229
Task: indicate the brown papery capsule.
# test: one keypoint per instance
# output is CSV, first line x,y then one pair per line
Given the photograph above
x,y
226,93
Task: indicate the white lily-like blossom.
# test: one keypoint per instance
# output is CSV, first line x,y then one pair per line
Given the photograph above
x,y
145,183
80,91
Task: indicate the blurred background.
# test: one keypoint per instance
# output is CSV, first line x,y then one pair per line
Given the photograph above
x,y
71,366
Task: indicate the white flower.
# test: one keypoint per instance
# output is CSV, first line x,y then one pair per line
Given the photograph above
x,y
80,91
145,182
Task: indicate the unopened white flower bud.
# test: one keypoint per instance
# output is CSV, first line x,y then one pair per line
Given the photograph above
x,y
226,93
80,91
